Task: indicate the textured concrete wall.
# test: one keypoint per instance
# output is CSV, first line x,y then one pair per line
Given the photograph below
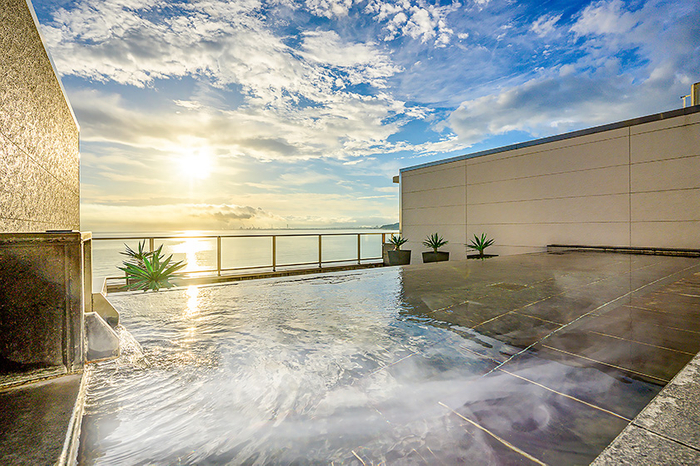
x,y
632,184
39,160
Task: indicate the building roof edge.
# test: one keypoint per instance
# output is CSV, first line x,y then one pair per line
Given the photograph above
x,y
564,136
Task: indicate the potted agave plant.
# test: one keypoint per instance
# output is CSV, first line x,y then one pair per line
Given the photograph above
x,y
435,242
149,270
399,256
479,244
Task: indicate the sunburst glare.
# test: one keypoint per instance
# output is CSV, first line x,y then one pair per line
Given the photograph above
x,y
196,166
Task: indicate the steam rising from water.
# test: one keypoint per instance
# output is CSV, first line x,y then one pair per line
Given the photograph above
x,y
331,369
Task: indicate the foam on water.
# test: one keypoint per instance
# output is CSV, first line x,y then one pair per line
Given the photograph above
x,y
273,371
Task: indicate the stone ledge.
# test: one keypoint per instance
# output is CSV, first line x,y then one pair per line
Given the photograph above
x,y
41,421
667,431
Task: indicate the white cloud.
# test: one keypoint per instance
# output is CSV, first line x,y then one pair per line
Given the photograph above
x,y
227,43
540,107
296,103
630,63
545,25
604,17
417,20
305,177
329,8
360,63
102,217
347,126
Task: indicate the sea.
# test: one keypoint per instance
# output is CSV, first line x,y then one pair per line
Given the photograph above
x,y
240,249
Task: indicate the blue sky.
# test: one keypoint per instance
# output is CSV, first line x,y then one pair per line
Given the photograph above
x,y
234,114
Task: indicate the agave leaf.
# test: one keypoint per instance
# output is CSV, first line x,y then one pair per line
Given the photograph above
x,y
398,241
152,271
480,243
174,268
434,242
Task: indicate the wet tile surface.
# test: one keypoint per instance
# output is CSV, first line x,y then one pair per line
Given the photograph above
x,y
535,359
605,387
648,361
654,329
603,334
552,428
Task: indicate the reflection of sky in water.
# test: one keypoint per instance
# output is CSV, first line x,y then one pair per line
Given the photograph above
x,y
366,364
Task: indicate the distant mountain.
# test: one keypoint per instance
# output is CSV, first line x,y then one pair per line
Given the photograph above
x,y
391,226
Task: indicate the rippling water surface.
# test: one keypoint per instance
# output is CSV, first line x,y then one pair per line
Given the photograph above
x,y
331,368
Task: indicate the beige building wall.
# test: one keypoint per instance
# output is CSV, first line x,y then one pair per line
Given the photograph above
x,y
635,183
665,183
39,159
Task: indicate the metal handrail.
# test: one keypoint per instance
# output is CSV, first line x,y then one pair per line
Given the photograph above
x,y
274,265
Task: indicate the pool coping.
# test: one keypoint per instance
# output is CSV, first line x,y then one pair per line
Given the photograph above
x,y
63,437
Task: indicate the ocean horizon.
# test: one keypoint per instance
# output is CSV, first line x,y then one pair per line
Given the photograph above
x,y
242,231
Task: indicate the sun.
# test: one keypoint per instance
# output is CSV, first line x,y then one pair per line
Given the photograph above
x,y
196,166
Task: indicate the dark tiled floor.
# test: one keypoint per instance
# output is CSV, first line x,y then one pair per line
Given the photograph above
x,y
582,343
552,428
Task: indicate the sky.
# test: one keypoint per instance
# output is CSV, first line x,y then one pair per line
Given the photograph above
x,y
209,114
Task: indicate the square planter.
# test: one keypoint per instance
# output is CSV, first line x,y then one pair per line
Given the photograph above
x,y
440,256
477,256
399,257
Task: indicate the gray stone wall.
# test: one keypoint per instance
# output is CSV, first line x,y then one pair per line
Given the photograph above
x,y
43,294
39,145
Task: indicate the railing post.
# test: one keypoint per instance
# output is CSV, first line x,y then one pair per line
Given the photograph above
x,y
359,249
274,253
152,244
218,255
383,239
320,253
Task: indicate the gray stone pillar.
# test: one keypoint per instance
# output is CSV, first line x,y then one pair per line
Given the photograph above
x,y
45,287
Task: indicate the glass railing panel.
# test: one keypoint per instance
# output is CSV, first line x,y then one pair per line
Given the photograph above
x,y
340,248
198,253
371,246
297,249
107,257
246,252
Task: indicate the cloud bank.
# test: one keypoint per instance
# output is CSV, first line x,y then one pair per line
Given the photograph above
x,y
327,99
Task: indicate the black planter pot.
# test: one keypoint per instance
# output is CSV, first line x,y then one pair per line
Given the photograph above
x,y
476,256
399,257
440,256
